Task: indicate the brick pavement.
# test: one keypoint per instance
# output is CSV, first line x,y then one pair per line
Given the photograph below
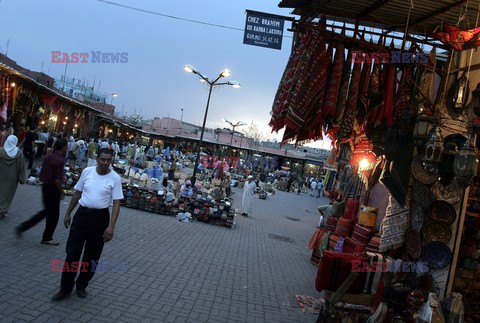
x,y
192,272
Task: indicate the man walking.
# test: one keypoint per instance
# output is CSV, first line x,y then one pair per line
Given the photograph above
x,y
91,226
52,192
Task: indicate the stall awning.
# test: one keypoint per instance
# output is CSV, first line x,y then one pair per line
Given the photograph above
x,y
425,15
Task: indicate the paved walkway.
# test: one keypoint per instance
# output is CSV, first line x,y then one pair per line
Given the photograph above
x,y
177,272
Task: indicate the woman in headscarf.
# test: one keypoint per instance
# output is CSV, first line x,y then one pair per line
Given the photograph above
x,y
12,172
71,149
81,149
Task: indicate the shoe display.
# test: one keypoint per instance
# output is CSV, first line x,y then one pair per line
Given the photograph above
x,y
60,295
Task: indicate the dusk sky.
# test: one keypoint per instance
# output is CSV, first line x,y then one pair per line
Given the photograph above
x,y
153,81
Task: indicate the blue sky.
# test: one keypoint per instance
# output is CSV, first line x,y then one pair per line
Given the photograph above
x,y
153,80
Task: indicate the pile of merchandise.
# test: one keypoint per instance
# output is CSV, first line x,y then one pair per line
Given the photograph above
x,y
201,207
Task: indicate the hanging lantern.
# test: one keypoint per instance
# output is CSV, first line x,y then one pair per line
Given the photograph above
x,y
422,129
459,95
432,153
465,165
406,125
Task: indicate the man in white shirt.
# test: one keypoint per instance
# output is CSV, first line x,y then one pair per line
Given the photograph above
x,y
313,186
91,226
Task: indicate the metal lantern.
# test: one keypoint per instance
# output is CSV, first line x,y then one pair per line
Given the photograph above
x,y
465,165
432,153
422,129
406,125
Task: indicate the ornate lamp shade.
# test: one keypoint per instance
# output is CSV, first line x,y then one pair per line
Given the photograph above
x,y
422,129
432,153
465,165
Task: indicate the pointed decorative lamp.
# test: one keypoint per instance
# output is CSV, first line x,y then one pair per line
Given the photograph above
x,y
432,153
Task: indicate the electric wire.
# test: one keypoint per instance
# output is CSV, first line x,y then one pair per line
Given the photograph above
x,y
175,17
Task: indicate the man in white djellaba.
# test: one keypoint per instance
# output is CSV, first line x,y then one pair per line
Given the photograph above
x,y
247,201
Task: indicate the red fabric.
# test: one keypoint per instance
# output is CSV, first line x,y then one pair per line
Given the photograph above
x,y
458,38
351,209
344,226
386,111
335,267
352,246
331,224
342,93
361,234
316,240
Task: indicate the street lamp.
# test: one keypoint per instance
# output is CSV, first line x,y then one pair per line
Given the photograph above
x,y
234,125
113,95
181,122
224,73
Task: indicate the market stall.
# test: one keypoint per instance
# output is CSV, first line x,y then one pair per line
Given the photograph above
x,y
403,128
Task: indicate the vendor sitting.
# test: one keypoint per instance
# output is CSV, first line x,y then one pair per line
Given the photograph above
x,y
186,189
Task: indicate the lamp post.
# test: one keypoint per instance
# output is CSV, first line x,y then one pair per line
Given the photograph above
x,y
113,95
181,121
215,82
234,125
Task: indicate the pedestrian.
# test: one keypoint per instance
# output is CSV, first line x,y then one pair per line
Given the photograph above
x,y
71,150
3,135
10,129
91,227
289,184
12,172
52,192
28,146
313,187
320,188
92,148
247,199
80,149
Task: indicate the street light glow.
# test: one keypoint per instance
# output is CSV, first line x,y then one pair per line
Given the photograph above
x,y
188,68
225,73
235,84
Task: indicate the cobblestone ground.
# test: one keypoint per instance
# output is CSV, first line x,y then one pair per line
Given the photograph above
x,y
193,272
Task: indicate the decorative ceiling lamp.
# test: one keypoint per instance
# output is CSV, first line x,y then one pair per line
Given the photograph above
x,y
423,127
432,153
465,165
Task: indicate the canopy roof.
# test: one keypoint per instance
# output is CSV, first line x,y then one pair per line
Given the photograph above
x,y
390,15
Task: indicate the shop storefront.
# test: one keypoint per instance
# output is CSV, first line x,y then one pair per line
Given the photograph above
x,y
401,233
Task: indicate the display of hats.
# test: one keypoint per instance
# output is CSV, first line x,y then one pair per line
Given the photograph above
x,y
442,211
437,254
413,243
451,193
344,226
436,231
420,174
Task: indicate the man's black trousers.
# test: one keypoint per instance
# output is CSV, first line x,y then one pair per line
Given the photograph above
x,y
86,234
